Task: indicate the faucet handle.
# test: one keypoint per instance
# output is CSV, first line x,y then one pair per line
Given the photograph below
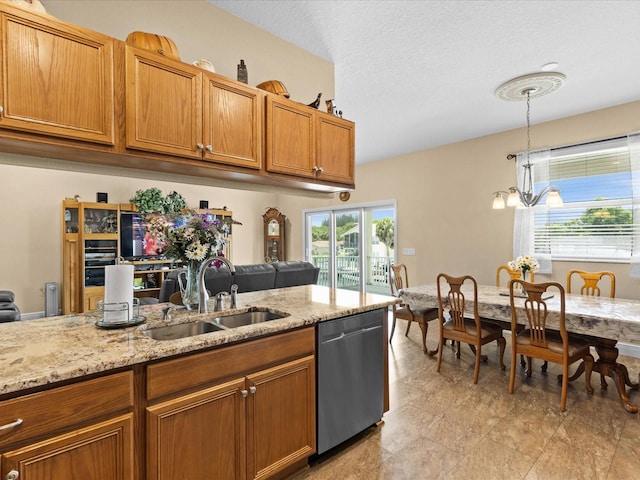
x,y
219,301
234,296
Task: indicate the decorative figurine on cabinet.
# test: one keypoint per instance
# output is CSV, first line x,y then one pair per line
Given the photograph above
x,y
274,223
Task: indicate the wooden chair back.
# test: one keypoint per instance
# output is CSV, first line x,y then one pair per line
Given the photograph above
x,y
590,281
398,278
514,274
536,312
456,301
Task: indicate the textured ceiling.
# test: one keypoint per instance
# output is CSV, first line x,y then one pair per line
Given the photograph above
x,y
419,74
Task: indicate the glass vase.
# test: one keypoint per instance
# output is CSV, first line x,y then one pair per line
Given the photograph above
x,y
190,289
524,279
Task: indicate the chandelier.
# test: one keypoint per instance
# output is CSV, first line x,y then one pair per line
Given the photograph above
x,y
521,88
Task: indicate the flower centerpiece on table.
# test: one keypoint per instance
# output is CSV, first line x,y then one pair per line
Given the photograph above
x,y
524,264
191,238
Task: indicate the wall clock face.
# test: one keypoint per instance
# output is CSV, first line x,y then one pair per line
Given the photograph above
x,y
273,228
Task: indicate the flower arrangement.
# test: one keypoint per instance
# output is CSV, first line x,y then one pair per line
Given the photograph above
x,y
195,236
524,263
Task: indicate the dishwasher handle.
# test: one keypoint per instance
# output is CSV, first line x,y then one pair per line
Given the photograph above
x,y
344,336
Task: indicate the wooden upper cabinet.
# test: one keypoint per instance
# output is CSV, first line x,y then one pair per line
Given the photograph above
x,y
232,123
56,78
163,105
290,140
335,153
304,142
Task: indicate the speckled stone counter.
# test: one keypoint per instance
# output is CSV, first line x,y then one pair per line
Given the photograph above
x,y
612,318
35,353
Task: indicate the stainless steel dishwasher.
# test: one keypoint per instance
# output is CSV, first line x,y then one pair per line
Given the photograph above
x,y
350,376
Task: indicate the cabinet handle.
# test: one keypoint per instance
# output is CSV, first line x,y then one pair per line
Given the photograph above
x,y
11,425
244,393
252,389
315,168
210,148
12,475
1,109
320,170
200,146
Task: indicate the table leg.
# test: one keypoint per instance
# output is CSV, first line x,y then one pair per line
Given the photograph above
x,y
607,366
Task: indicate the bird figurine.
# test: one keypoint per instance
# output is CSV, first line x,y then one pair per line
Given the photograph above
x,y
316,102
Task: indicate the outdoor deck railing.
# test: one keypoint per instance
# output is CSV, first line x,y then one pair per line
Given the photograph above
x,y
348,276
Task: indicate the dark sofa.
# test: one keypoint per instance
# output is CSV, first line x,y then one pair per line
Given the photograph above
x,y
249,278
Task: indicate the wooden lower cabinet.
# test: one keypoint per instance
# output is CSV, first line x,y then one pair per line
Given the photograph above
x,y
244,411
83,430
103,451
250,428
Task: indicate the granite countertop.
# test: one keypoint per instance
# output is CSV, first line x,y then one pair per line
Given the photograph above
x,y
35,353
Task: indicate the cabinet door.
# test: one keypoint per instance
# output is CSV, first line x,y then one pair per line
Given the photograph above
x,y
281,417
198,436
232,123
57,79
99,452
290,138
163,105
335,149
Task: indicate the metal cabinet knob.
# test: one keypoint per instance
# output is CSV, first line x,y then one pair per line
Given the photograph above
x,y
12,475
200,146
210,148
1,109
320,170
252,389
244,393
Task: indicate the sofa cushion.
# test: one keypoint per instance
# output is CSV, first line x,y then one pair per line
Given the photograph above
x,y
7,296
293,273
251,278
217,280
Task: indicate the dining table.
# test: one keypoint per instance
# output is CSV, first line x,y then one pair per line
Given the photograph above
x,y
606,321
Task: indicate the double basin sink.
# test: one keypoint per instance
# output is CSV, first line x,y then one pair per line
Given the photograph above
x,y
218,323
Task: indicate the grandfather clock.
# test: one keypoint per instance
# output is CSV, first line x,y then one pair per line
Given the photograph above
x,y
273,235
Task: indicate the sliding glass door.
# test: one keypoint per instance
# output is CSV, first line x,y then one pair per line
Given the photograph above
x,y
352,246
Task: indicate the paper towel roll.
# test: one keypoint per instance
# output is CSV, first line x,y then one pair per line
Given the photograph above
x,y
118,289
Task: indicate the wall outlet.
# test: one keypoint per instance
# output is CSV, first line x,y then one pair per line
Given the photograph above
x,y
408,251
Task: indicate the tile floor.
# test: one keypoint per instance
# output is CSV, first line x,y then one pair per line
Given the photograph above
x,y
444,426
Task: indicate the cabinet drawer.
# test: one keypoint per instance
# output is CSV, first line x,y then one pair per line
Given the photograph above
x,y
185,373
63,407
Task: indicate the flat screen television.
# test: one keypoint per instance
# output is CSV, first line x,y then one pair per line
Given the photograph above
x,y
136,243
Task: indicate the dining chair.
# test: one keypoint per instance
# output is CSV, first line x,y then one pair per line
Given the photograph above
x,y
399,279
591,287
590,284
458,327
538,341
513,273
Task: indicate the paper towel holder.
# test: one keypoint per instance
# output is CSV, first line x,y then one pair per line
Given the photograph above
x,y
121,308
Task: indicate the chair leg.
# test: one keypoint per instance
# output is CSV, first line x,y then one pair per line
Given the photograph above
x,y
502,343
512,372
393,329
529,366
409,322
476,372
440,345
565,383
523,362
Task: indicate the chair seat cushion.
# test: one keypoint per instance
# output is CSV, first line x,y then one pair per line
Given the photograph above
x,y
487,329
554,341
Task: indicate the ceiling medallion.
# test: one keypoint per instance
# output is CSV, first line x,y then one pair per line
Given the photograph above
x,y
530,86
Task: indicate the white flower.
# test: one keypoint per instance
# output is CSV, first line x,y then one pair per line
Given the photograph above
x,y
524,263
197,251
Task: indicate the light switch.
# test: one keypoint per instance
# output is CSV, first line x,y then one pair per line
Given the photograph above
x,y
408,251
